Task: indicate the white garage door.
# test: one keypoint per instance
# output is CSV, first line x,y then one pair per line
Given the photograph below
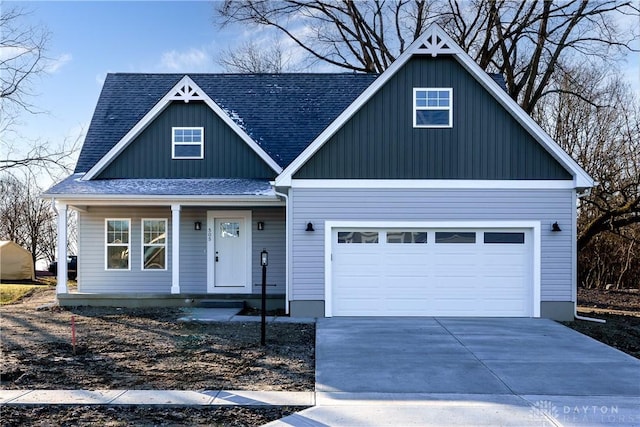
x,y
431,272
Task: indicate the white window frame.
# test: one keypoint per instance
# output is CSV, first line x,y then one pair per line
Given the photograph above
x,y
175,143
107,245
432,108
156,245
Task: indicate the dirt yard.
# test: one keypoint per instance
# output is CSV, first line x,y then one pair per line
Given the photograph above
x,y
109,416
621,310
146,349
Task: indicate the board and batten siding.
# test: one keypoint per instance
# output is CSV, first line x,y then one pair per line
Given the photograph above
x,y
320,205
226,155
380,142
93,278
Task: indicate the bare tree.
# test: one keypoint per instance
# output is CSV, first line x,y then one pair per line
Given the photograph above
x,y
41,155
251,57
22,58
24,216
601,129
527,42
22,61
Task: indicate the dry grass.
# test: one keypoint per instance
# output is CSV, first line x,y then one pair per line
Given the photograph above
x,y
13,293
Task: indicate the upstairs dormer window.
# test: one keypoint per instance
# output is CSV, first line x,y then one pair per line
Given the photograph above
x,y
432,107
187,143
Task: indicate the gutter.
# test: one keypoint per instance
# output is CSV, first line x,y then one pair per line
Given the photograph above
x,y
576,316
287,248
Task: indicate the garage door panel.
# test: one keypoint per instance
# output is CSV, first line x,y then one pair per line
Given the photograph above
x,y
397,276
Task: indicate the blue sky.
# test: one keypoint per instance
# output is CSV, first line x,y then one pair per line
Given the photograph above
x,y
91,38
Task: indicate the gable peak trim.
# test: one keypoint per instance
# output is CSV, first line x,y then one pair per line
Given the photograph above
x,y
186,90
434,43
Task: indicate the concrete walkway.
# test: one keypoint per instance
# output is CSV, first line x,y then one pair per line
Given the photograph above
x,y
455,372
157,397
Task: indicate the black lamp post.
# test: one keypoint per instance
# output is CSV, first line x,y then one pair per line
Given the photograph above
x,y
264,261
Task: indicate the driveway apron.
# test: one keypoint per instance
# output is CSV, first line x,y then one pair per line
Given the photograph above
x,y
467,371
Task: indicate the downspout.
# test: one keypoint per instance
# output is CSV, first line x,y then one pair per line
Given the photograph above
x,y
287,248
576,316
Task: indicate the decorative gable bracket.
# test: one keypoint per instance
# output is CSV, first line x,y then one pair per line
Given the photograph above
x,y
186,91
434,44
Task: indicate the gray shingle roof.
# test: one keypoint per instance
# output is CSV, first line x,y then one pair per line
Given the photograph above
x,y
161,187
283,113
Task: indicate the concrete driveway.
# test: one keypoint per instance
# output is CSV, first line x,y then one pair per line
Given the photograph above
x,y
467,371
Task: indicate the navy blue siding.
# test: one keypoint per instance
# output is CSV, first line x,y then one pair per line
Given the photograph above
x,y
226,155
379,141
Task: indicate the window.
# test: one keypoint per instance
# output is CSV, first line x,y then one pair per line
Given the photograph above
x,y
187,143
357,237
229,230
496,237
455,237
154,244
406,237
117,244
432,108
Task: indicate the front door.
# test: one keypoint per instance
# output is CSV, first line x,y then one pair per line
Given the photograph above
x,y
228,251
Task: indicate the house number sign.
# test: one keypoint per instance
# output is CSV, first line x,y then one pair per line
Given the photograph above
x,y
209,233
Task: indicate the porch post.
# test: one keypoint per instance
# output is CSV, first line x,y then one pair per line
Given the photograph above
x,y
175,249
61,286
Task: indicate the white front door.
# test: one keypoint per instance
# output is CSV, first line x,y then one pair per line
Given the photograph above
x,y
229,251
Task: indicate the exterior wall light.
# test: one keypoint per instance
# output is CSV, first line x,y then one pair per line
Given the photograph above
x,y
310,227
260,225
555,227
197,225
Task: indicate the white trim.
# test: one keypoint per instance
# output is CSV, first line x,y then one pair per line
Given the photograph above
x,y
419,46
165,245
174,143
177,93
434,184
175,248
211,249
449,108
288,245
533,225
61,210
132,200
434,44
107,245
574,246
537,272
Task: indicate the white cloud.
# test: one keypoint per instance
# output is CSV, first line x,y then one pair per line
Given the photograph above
x,y
11,52
190,60
54,65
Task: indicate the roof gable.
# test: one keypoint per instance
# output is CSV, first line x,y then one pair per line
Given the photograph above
x,y
185,90
150,154
278,113
434,41
381,142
